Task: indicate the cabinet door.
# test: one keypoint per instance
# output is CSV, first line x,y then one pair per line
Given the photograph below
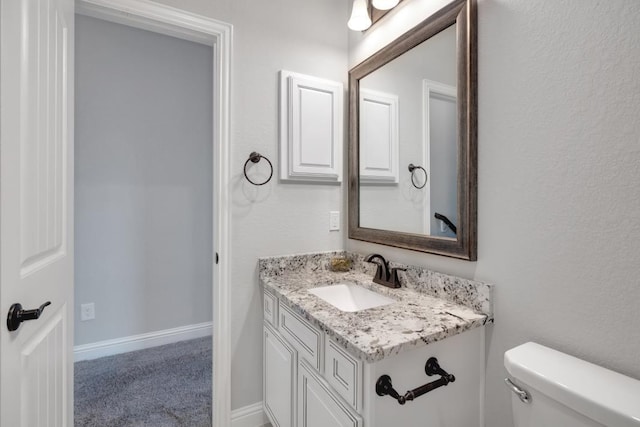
x,y
318,406
279,379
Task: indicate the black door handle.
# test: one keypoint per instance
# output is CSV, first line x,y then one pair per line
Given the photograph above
x,y
17,315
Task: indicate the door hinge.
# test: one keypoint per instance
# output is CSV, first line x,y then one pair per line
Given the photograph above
x,y
217,258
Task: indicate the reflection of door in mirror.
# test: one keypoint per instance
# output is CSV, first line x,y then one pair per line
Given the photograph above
x,y
440,141
408,115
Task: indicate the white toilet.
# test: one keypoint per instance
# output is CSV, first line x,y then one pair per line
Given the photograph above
x,y
553,389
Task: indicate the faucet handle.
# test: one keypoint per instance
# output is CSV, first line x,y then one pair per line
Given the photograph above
x,y
395,280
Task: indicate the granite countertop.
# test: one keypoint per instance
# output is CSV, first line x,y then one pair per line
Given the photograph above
x,y
419,316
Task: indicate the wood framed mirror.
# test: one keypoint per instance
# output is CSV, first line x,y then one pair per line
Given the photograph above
x,y
413,138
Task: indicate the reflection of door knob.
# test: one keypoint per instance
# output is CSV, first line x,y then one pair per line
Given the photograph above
x,y
17,315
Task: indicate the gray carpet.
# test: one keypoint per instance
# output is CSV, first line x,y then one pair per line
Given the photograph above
x,y
164,386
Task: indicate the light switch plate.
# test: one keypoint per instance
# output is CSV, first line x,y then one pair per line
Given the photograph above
x,y
334,220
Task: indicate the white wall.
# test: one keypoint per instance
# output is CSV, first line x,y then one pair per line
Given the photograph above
x,y
309,37
559,174
143,180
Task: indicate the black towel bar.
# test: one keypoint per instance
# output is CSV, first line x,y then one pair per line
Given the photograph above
x,y
384,386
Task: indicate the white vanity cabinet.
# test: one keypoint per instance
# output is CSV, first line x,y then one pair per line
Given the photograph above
x,y
280,366
312,381
318,405
295,391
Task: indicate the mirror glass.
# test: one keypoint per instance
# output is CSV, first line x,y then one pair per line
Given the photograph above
x,y
413,138
408,141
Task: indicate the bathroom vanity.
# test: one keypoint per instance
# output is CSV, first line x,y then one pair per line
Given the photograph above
x,y
324,366
340,349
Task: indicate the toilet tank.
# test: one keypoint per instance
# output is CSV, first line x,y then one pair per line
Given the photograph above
x,y
566,391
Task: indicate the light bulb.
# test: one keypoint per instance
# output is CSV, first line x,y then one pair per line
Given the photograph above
x,y
385,4
360,19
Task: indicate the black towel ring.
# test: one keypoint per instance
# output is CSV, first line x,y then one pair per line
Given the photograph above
x,y
412,169
255,158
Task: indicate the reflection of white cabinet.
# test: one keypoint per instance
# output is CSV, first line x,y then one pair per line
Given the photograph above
x,y
378,137
312,381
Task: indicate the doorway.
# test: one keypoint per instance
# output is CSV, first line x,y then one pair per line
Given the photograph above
x,y
143,226
184,25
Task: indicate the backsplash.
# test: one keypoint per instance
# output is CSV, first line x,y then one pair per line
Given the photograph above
x,y
470,293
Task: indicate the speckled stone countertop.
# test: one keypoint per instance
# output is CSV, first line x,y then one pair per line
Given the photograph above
x,y
430,306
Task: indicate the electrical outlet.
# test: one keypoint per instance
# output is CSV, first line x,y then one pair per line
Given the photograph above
x,y
87,311
334,220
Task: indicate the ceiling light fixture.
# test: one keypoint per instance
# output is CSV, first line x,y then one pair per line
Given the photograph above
x,y
385,4
360,19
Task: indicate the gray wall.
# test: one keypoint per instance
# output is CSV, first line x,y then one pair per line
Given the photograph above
x,y
443,122
559,167
143,180
308,37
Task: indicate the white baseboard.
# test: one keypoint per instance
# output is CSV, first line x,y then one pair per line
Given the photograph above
x,y
142,341
249,416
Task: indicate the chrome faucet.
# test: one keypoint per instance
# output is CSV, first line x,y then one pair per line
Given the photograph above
x,y
384,276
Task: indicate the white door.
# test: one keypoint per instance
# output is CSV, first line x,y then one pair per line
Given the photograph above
x,y
36,211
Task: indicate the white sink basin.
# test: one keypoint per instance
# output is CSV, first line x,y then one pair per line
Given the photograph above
x,y
350,297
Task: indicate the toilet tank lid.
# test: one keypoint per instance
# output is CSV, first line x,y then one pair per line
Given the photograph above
x,y
605,396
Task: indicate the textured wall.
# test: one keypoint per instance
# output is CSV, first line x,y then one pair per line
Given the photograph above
x,y
559,167
143,180
309,37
